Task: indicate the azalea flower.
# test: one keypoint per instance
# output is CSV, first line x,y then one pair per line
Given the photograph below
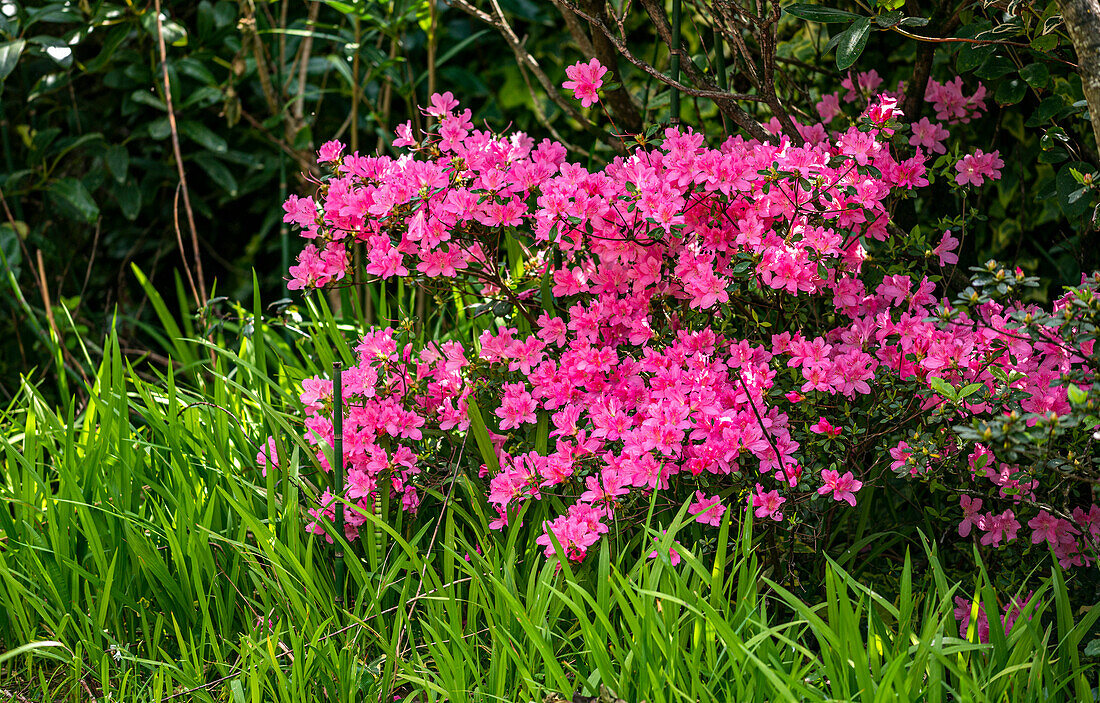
x,y
585,79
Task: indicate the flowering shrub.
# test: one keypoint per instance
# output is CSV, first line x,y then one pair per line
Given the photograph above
x,y
965,609
716,324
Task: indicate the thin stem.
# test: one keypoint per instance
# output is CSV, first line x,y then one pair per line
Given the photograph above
x,y
200,294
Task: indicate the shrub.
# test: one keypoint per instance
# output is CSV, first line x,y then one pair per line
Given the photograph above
x,y
703,324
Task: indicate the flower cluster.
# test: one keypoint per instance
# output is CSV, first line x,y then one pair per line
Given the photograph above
x,y
632,357
965,608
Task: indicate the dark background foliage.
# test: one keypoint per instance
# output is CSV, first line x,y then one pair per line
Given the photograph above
x,y
89,176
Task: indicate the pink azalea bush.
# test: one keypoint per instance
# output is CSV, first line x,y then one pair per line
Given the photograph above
x,y
964,609
706,322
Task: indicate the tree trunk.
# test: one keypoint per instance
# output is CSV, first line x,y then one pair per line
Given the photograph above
x,y
1082,19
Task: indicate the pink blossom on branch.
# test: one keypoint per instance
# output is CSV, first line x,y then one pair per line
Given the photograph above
x,y
585,79
945,250
767,503
842,487
708,511
975,168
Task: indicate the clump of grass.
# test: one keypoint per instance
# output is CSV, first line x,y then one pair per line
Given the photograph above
x,y
144,557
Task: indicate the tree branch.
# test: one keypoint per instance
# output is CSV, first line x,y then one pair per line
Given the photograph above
x,y
725,100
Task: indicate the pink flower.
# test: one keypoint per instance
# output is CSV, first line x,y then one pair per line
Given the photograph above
x,y
965,608
708,511
767,503
441,104
673,555
842,487
999,528
975,168
823,426
900,455
929,135
404,135
330,151
1045,527
945,250
584,80
267,456
517,406
828,107
972,508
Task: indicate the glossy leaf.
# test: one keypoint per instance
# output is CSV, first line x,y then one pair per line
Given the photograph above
x,y
218,172
852,42
9,56
1037,75
1073,197
202,134
818,13
129,200
74,200
1010,92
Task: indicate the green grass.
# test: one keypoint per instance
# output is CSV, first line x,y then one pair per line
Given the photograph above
x,y
140,547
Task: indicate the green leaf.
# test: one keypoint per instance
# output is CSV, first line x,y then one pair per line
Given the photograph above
x,y
118,161
74,200
450,53
174,33
914,22
1077,396
996,67
225,13
218,172
889,19
481,435
1092,649
33,647
970,390
110,46
129,200
1010,92
972,56
203,135
55,49
817,13
1036,75
160,128
9,56
852,42
11,253
304,138
942,387
1046,42
1073,198
193,68
1053,156
1047,109
148,97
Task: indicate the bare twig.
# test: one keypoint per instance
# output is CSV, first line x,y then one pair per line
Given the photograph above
x,y
725,100
303,63
48,304
524,57
91,260
200,293
980,42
